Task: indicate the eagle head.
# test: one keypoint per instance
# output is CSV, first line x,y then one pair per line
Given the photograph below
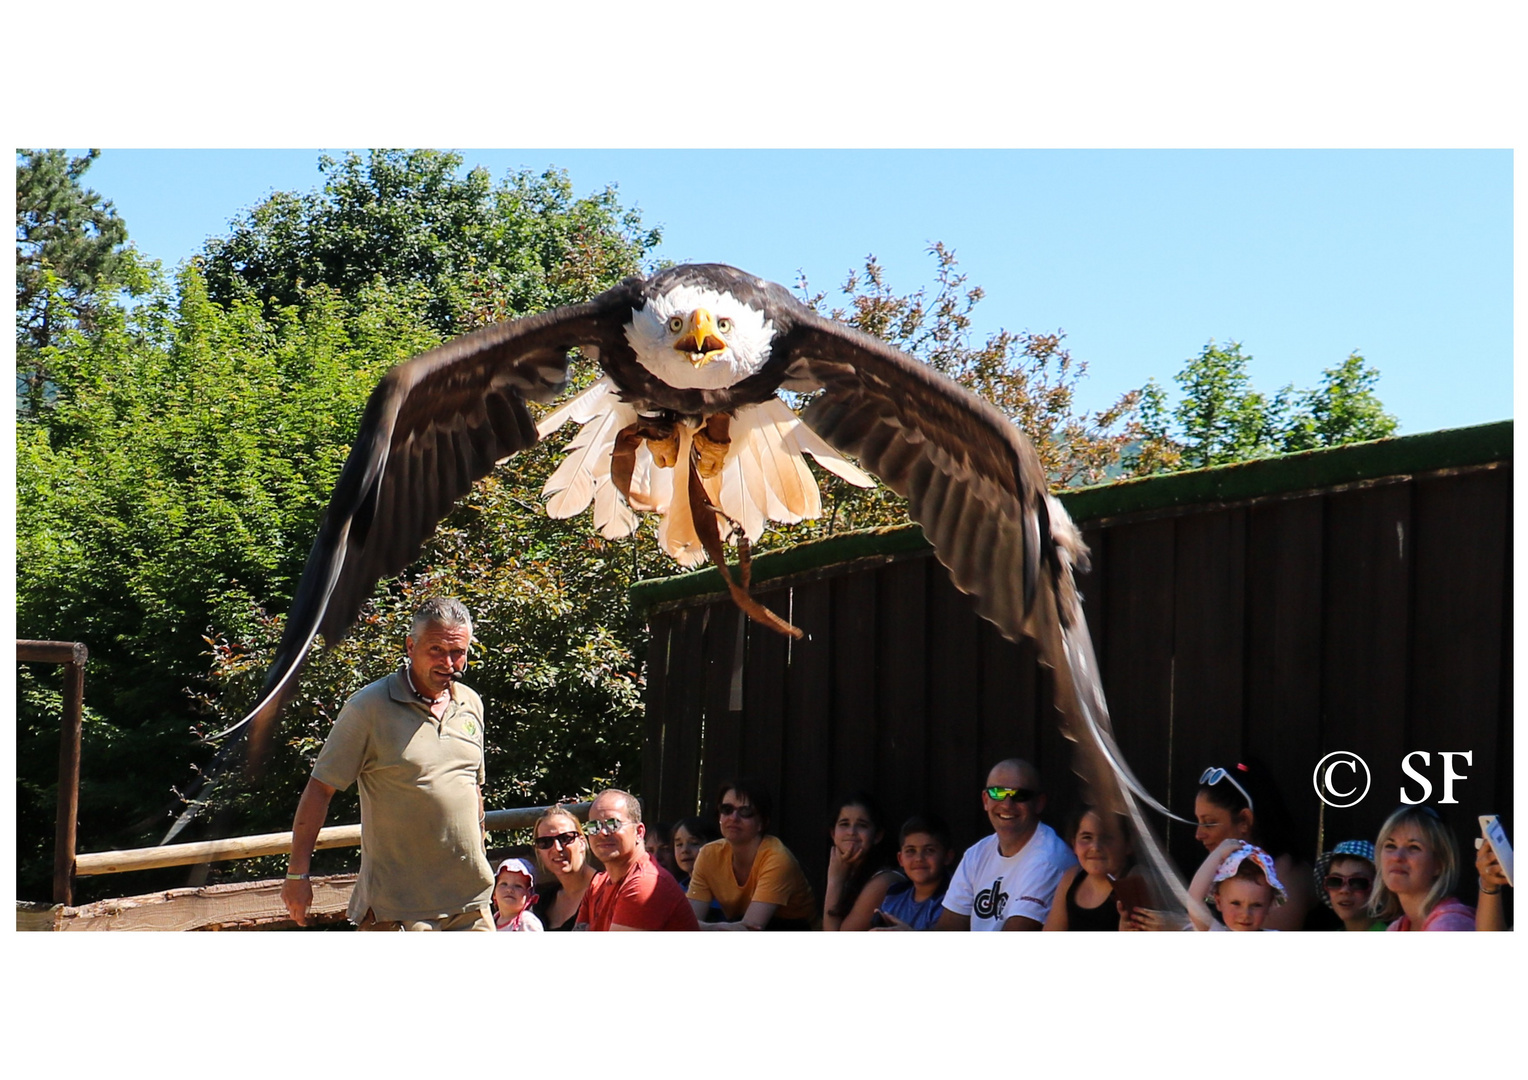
x,y
694,337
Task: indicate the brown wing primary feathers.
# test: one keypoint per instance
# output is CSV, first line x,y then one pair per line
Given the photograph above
x,y
434,426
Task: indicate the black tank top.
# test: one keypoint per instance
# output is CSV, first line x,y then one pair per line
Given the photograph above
x,y
1104,917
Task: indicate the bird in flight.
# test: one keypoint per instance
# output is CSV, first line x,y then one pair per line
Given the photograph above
x,y
686,422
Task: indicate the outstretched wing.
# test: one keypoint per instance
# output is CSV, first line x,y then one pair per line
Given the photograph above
x,y
976,485
433,427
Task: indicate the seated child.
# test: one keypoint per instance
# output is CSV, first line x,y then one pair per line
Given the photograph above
x,y
1239,879
1085,896
925,856
514,891
1344,881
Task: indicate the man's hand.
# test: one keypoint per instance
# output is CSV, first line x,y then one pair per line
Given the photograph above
x,y
312,808
298,898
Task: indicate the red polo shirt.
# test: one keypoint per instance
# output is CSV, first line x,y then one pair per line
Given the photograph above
x,y
647,898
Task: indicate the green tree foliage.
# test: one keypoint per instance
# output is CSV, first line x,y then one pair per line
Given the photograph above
x,y
168,496
1343,409
1221,418
481,251
175,481
71,257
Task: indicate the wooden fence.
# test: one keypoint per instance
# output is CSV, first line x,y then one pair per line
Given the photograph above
x,y
1351,599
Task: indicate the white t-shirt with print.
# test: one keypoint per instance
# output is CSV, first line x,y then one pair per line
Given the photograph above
x,y
990,888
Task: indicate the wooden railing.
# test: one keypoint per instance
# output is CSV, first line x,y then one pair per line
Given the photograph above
x,y
242,905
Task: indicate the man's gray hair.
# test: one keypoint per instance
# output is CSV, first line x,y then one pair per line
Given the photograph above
x,y
441,611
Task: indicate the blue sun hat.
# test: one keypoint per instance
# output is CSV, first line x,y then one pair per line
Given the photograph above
x,y
1353,849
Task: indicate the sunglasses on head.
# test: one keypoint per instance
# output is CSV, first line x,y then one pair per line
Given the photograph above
x,y
562,839
1017,794
1357,883
745,812
606,827
1211,777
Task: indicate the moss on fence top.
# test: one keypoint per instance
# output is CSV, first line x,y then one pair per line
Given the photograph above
x,y
1286,474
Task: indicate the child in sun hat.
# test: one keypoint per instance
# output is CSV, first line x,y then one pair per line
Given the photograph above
x,y
1344,881
1239,879
514,891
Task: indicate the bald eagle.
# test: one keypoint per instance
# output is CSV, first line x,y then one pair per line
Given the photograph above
x,y
686,421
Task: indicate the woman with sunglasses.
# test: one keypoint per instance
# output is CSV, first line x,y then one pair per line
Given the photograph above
x,y
1234,804
750,874
561,849
1418,869
1344,881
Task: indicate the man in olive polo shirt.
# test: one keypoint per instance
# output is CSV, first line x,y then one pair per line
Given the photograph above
x,y
414,742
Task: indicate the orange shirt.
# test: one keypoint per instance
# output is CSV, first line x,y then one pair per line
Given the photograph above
x,y
775,878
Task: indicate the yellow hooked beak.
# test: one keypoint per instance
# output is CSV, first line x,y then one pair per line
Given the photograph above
x,y
700,341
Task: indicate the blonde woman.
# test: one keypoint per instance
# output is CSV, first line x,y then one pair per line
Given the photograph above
x,y
1418,860
562,850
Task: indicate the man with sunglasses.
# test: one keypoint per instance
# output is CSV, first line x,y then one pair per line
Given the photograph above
x,y
413,742
1007,880
633,892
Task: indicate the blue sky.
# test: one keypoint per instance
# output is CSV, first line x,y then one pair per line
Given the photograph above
x,y
1140,256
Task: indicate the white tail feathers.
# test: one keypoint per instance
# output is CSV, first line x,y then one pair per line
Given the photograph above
x,y
764,476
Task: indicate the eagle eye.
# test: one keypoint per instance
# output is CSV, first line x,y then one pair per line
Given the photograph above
x,y
675,324
724,325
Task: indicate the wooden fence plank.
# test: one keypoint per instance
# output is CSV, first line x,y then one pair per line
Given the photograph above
x,y
763,732
1283,683
1366,630
809,725
242,906
854,691
901,752
955,767
1459,528
726,659
1137,664
657,719
1208,649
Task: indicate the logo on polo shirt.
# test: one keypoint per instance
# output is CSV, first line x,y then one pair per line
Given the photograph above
x,y
470,727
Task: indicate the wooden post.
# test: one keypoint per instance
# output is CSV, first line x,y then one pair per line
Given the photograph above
x,y
72,654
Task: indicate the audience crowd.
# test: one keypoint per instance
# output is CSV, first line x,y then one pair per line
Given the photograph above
x,y
730,872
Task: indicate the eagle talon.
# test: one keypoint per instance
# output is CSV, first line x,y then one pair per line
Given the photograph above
x,y
711,443
665,450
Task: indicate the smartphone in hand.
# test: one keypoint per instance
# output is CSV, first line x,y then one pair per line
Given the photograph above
x,y
1491,829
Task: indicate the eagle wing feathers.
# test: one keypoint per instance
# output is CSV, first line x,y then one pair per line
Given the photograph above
x,y
432,428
